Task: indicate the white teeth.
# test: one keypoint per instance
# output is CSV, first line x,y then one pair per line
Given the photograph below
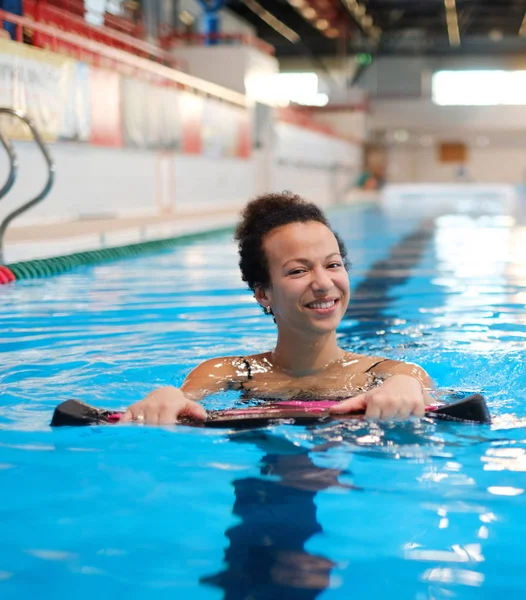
x,y
321,304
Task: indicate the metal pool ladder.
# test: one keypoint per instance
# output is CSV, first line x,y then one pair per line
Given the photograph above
x,y
13,169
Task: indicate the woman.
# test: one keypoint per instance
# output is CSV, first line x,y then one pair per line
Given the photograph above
x,y
296,267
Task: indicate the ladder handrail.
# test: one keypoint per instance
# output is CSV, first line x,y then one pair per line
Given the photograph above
x,y
13,165
49,183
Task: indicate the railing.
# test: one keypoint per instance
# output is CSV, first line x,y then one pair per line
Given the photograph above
x,y
41,13
241,39
12,173
117,57
75,7
303,117
13,166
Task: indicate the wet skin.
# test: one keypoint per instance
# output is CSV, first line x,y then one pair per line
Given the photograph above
x,y
308,294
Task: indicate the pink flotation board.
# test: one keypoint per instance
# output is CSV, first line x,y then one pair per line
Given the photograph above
x,y
472,409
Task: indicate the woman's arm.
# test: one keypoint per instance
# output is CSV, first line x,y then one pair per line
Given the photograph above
x,y
389,368
212,376
165,405
403,392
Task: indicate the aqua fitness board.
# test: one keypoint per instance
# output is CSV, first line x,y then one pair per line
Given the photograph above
x,y
472,409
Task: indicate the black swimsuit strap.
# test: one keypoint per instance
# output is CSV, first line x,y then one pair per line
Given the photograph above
x,y
245,362
249,369
376,364
250,375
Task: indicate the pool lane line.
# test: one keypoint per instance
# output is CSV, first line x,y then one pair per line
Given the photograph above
x,y
371,296
49,267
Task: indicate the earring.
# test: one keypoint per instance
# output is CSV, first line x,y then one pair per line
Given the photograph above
x,y
267,310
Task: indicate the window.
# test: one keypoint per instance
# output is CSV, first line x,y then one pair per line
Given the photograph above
x,y
479,88
283,88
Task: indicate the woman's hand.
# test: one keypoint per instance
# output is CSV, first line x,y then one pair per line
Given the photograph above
x,y
163,407
399,397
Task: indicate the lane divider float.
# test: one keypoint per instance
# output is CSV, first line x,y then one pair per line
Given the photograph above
x,y
48,267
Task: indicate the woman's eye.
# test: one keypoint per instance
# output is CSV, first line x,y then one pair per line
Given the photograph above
x,y
335,265
297,271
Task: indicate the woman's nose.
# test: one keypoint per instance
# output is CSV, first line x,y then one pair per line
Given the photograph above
x,y
321,280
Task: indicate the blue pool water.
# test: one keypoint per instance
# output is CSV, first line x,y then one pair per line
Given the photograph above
x,y
414,510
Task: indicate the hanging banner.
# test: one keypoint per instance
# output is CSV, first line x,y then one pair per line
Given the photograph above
x,y
192,116
36,83
224,130
76,125
219,129
73,101
152,115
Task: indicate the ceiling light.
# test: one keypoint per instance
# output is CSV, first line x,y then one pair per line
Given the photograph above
x,y
401,136
495,35
332,32
308,13
322,24
272,21
186,18
360,10
452,23
297,3
367,21
522,30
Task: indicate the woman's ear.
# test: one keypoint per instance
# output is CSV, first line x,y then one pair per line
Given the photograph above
x,y
261,296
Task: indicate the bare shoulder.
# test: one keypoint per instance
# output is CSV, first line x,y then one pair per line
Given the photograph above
x,y
214,375
387,366
362,362
398,367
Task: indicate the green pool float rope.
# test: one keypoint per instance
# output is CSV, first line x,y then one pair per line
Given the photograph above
x,y
47,267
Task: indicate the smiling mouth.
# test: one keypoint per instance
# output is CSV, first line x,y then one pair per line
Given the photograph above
x,y
319,305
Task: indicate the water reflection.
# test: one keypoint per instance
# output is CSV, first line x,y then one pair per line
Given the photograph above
x,y
267,556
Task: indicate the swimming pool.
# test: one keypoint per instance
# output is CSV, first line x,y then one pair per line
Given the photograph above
x,y
419,510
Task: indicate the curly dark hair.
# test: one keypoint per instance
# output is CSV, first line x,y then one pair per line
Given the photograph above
x,y
263,214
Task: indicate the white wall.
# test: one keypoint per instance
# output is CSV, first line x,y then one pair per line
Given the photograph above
x,y
94,182
410,76
394,76
297,144
422,115
334,73
401,100
203,183
226,65
485,165
316,166
353,123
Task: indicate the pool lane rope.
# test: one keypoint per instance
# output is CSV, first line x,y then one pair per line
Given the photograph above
x,y
47,267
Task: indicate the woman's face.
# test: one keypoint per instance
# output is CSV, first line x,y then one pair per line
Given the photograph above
x,y
309,286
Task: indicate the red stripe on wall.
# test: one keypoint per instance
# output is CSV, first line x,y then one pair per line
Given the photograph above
x,y
105,102
192,118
